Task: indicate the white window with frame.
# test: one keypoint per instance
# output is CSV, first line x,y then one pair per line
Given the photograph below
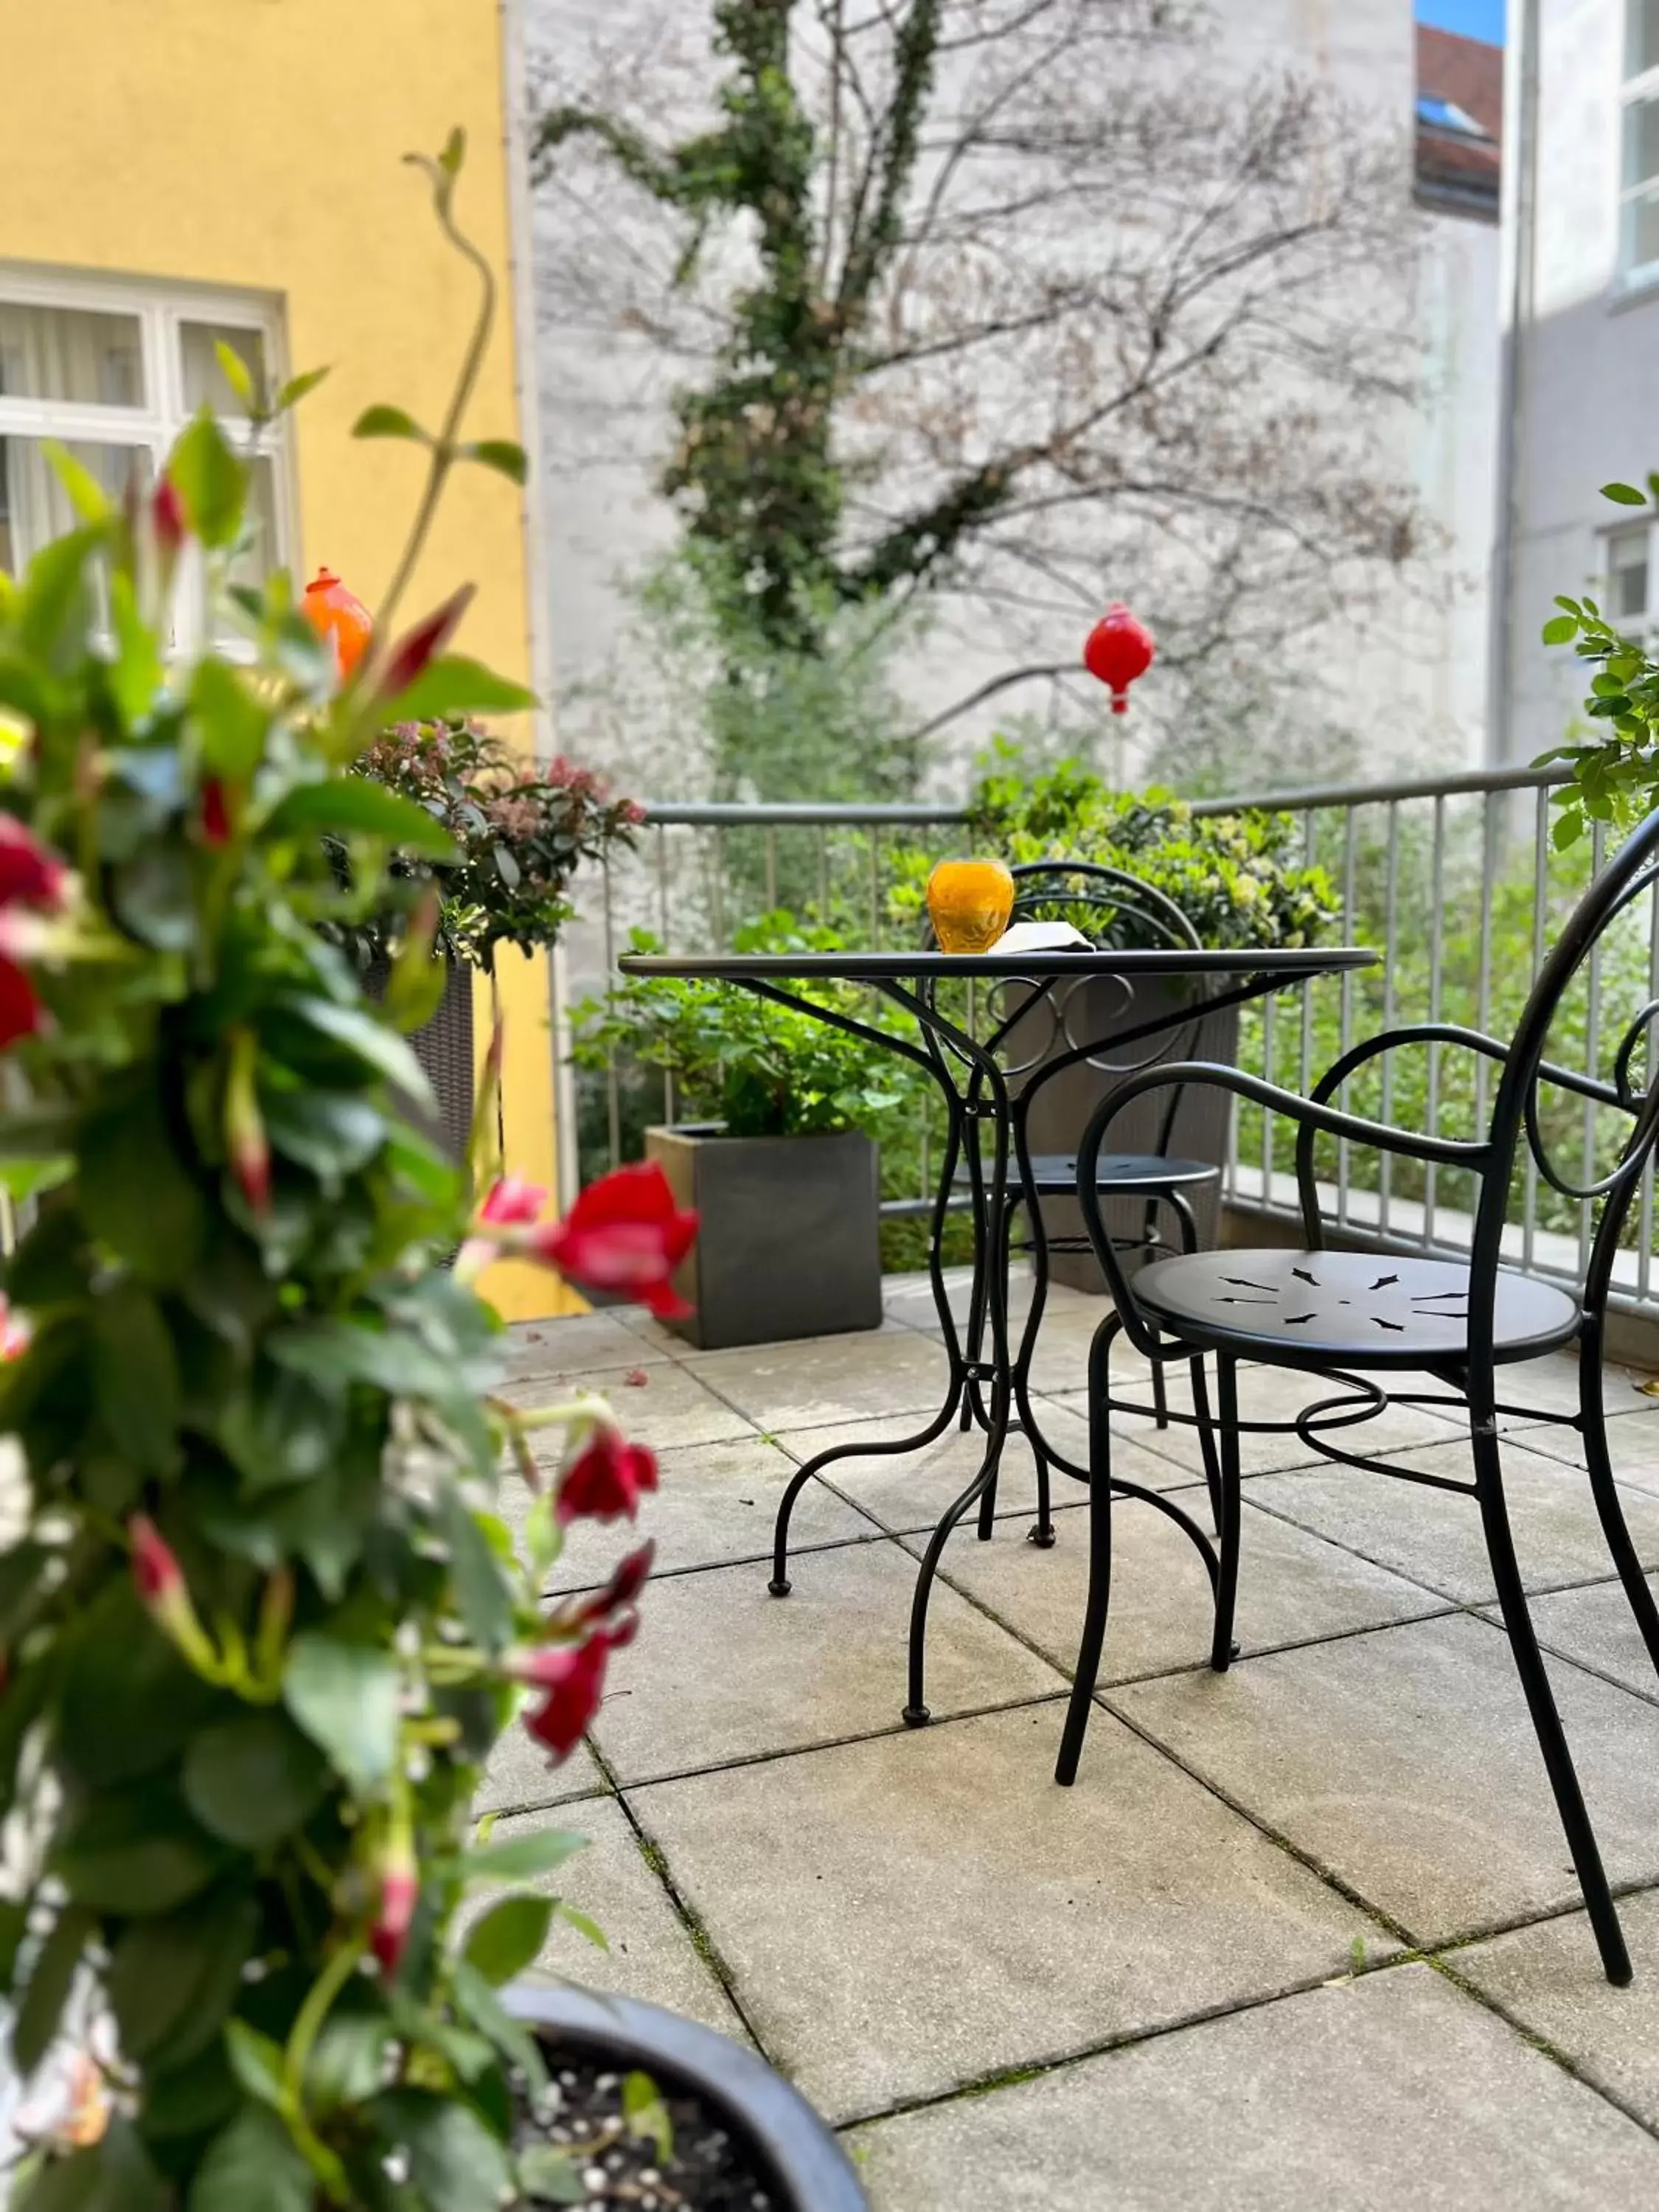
x,y
114,370
1639,170
1630,578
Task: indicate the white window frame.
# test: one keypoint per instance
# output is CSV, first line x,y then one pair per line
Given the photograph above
x,y
1641,625
1633,91
161,309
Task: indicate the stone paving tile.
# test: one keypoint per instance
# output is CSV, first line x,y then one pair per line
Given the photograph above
x,y
1597,1627
652,1954
1389,2092
1436,1536
1632,1446
829,1378
1547,1978
722,1670
670,1407
714,1503
1404,1762
579,1344
520,1778
904,1914
1292,1587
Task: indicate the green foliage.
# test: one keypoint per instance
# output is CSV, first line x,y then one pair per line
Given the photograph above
x,y
252,1633
511,833
1615,780
764,1070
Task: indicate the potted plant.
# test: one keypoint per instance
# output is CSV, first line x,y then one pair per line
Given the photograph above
x,y
1233,876
259,1624
774,1147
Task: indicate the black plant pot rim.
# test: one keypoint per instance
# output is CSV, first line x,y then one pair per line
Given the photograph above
x,y
807,2163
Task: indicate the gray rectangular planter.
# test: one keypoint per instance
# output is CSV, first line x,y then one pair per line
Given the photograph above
x,y
1061,1109
789,1240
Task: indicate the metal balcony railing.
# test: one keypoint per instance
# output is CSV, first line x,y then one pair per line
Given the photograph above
x,y
1455,881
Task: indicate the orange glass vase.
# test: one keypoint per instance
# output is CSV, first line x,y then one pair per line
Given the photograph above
x,y
969,903
337,615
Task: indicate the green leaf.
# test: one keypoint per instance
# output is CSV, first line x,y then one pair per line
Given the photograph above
x,y
85,494
136,1851
128,1702
370,1041
331,1134
384,422
454,152
509,1937
114,2174
350,805
135,1376
171,1980
551,2175
1560,629
258,2062
50,1983
647,2115
1567,831
483,1597
347,2060
519,1859
191,2100
452,686
55,599
153,895
501,454
454,2161
345,1697
253,1780
588,1928
479,2001
135,675
137,1195
209,480
1623,495
230,722
253,2166
237,375
296,388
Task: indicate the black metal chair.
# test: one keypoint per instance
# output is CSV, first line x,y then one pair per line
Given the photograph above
x,y
1322,1311
1109,907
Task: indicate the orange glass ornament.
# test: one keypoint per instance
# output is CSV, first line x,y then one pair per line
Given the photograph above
x,y
969,903
334,612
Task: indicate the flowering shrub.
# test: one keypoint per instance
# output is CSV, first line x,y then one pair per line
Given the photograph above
x,y
259,1625
517,829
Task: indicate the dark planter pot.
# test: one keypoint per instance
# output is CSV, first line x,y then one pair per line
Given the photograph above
x,y
1062,1108
807,2168
443,1046
789,1237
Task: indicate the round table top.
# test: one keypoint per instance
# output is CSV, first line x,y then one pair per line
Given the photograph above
x,y
902,967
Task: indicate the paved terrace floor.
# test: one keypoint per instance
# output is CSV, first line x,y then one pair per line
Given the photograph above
x,y
1305,1934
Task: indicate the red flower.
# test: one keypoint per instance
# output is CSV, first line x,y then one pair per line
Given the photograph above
x,y
574,1679
14,1332
19,1009
245,1141
29,874
155,1569
215,812
167,513
604,1479
627,1579
512,1199
624,1234
418,647
401,1891
1118,649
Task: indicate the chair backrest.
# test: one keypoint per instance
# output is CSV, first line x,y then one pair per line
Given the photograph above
x,y
1631,874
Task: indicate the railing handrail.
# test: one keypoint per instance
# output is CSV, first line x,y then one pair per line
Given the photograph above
x,y
740,813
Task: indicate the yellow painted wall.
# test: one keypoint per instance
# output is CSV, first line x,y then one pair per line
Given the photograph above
x,y
258,144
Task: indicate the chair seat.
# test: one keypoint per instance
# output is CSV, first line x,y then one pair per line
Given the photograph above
x,y
1308,1309
1055,1173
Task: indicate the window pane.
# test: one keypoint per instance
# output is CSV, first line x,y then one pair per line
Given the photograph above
x,y
1627,573
34,508
205,380
69,353
260,552
1641,142
1639,240
1641,36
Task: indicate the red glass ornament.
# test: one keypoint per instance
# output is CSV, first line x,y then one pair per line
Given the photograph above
x,y
1117,650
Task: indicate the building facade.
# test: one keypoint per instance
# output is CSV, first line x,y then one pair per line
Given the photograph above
x,y
1581,309
204,170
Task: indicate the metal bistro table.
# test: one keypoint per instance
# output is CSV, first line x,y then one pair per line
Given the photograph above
x,y
984,1096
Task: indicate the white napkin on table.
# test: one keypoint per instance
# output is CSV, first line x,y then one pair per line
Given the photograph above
x,y
1041,937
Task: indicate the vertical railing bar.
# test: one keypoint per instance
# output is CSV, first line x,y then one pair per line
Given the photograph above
x,y
612,1076
1267,1111
1344,1029
771,866
717,880
823,872
1540,886
1305,1071
1645,1237
663,908
1385,1175
1483,987
1437,949
1592,1043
